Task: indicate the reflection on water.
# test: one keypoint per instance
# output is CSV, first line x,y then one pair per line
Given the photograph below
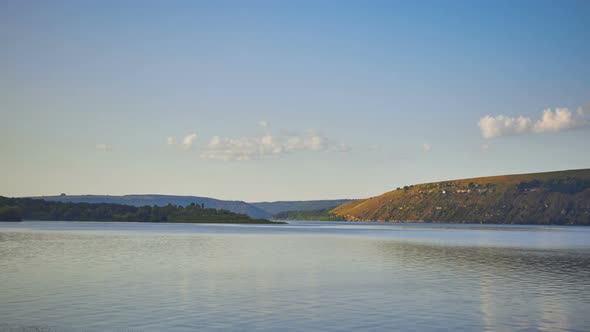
x,y
542,289
303,277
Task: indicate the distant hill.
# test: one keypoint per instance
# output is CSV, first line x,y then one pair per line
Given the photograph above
x,y
163,200
261,210
561,197
282,206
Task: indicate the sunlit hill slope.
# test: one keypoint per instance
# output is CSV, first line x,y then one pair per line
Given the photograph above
x,y
561,197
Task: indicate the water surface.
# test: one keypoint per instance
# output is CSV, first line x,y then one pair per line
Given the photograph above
x,y
72,276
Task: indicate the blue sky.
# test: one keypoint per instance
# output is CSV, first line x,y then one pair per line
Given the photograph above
x,y
282,100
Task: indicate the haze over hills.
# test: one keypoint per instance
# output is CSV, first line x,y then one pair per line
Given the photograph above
x,y
163,200
254,210
561,197
282,206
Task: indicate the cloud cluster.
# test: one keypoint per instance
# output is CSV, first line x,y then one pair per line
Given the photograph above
x,y
552,121
186,143
266,145
426,147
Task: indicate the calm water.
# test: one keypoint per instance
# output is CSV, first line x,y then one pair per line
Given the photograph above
x,y
76,276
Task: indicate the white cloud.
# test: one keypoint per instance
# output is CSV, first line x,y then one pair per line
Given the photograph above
x,y
267,145
188,141
561,119
103,147
426,147
503,126
552,121
485,147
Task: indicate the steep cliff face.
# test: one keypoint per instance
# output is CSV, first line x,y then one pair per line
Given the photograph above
x,y
538,198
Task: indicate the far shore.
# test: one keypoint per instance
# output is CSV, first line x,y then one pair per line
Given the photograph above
x,y
254,222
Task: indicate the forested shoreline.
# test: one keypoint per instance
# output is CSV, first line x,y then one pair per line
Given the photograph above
x,y
16,209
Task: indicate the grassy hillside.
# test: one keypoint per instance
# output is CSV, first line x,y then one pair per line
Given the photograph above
x,y
539,198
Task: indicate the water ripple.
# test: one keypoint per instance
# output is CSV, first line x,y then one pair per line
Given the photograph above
x,y
266,280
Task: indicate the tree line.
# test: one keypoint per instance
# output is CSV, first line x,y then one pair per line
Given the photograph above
x,y
14,209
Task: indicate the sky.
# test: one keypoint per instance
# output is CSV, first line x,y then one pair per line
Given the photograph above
x,y
287,100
